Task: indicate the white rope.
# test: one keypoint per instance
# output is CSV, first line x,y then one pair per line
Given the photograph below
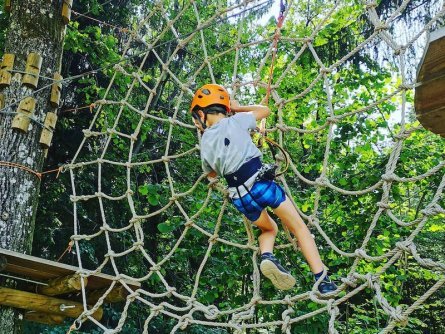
x,y
186,309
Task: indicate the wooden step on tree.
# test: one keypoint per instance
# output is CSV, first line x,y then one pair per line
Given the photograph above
x,y
46,279
430,93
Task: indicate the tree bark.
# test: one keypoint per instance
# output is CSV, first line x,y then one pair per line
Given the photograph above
x,y
34,26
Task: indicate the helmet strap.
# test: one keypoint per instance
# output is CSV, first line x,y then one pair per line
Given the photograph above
x,y
205,120
195,115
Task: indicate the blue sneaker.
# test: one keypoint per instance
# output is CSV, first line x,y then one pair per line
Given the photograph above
x,y
273,270
326,286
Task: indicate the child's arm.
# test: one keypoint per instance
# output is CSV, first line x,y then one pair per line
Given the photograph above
x,y
258,111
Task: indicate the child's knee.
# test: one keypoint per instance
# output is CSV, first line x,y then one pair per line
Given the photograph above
x,y
272,227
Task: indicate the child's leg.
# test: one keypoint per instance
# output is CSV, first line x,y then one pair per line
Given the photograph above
x,y
290,217
269,231
270,267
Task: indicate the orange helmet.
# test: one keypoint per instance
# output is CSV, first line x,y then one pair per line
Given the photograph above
x,y
209,95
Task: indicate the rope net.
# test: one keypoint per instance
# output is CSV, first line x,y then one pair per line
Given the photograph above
x,y
143,197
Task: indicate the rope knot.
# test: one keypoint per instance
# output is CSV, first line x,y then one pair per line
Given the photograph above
x,y
397,315
132,297
402,135
281,103
286,320
405,86
380,27
105,227
185,320
189,223
313,295
157,309
404,245
110,254
350,281
288,300
382,205
135,75
165,159
429,211
119,68
325,70
388,177
138,244
281,127
211,312
307,40
322,181
332,119
174,198
399,50
436,208
87,133
360,252
213,239
155,268
256,300
370,279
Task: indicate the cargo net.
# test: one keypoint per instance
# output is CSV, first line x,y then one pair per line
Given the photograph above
x,y
144,208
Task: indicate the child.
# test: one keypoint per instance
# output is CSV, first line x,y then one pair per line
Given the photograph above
x,y
227,150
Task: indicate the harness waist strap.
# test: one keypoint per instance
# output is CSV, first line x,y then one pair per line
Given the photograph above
x,y
244,173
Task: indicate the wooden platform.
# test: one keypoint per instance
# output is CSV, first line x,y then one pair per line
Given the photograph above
x,y
46,280
43,270
430,94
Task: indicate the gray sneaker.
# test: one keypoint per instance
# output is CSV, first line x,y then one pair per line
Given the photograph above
x,y
273,270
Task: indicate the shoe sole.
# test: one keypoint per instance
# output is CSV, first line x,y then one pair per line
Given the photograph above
x,y
280,280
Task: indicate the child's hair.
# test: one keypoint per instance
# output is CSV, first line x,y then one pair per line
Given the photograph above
x,y
214,109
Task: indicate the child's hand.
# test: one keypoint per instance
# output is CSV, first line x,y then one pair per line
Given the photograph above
x,y
234,105
213,179
212,175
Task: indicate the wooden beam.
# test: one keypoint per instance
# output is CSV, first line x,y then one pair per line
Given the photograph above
x,y
429,99
118,294
430,95
43,304
434,121
43,270
433,61
3,263
44,318
61,285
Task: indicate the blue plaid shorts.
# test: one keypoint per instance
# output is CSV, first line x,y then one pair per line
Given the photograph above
x,y
263,193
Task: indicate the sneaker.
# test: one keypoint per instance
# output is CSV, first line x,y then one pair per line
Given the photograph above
x,y
327,286
273,270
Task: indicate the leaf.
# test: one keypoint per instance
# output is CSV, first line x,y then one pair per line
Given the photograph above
x,y
143,190
437,228
153,199
166,227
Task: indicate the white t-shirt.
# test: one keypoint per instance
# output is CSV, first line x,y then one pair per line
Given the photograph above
x,y
227,145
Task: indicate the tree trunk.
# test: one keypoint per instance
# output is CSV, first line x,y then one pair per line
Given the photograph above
x,y
35,26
